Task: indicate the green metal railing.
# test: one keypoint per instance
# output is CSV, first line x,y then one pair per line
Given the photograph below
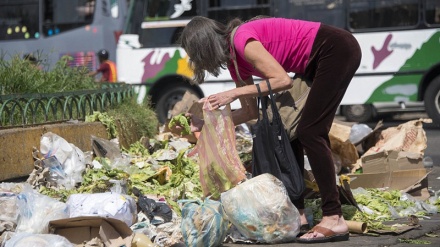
x,y
34,109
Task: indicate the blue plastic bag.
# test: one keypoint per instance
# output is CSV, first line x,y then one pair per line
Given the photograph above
x,y
204,224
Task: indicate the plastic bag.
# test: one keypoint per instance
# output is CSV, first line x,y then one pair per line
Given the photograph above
x,y
220,165
36,210
204,224
261,210
359,132
113,205
37,240
71,158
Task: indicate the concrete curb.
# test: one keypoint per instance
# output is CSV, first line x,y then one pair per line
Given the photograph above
x,y
16,144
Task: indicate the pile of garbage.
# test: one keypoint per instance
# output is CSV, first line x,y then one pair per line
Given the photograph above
x,y
151,195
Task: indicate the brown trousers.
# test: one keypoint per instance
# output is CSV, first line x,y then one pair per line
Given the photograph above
x,y
334,59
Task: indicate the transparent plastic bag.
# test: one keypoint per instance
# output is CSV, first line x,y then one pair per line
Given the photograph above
x,y
261,210
37,240
36,210
204,224
71,158
220,165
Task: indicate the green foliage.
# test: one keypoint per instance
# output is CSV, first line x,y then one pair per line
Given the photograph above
x,y
106,120
139,118
19,76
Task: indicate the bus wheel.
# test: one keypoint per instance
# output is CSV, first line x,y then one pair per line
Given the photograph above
x,y
432,100
358,113
168,99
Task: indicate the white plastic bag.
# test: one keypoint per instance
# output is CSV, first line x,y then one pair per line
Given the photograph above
x,y
261,210
36,210
37,240
113,205
72,159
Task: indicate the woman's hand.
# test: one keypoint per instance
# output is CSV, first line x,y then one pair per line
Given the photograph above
x,y
196,123
220,99
185,124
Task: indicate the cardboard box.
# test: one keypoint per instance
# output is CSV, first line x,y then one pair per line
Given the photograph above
x,y
391,161
77,230
404,180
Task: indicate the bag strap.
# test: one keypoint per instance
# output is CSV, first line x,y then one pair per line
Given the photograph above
x,y
275,114
263,103
234,57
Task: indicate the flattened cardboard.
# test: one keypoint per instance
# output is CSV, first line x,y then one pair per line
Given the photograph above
x,y
391,161
398,180
77,230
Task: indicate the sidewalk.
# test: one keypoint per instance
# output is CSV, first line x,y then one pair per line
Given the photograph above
x,y
427,226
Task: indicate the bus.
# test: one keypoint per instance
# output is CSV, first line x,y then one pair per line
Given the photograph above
x,y
400,42
50,29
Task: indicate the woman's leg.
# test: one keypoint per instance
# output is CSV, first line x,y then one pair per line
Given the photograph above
x,y
335,58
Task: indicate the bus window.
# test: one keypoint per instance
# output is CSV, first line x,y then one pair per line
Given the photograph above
x,y
330,12
225,10
159,37
58,16
383,14
19,20
433,12
167,9
114,9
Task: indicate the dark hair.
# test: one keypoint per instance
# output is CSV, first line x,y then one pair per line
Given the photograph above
x,y
206,42
103,54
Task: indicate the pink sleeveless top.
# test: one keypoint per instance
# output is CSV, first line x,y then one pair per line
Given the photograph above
x,y
289,41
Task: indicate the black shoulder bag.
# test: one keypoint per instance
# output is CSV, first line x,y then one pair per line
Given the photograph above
x,y
272,152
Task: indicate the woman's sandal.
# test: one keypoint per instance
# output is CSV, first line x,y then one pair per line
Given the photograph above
x,y
329,236
305,228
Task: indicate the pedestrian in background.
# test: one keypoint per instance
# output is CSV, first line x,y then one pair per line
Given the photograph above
x,y
269,48
107,68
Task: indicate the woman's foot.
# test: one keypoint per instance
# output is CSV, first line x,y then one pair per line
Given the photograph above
x,y
303,217
331,228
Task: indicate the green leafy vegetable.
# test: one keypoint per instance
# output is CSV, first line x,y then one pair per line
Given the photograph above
x,y
182,121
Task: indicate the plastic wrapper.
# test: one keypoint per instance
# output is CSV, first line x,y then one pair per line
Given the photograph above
x,y
37,240
220,165
8,207
204,224
71,158
261,210
36,210
359,132
113,205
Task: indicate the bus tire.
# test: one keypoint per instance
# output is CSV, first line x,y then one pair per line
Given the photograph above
x,y
168,99
432,100
358,113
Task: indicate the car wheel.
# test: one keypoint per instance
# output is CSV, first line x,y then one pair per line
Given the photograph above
x,y
358,113
432,100
168,99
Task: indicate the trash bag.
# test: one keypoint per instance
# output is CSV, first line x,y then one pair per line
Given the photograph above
x,y
220,165
112,205
37,240
36,210
204,224
71,158
261,210
158,212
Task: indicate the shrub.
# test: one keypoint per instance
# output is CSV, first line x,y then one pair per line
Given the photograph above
x,y
19,76
138,119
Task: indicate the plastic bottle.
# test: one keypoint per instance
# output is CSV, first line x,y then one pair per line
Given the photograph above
x,y
309,215
141,240
428,163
